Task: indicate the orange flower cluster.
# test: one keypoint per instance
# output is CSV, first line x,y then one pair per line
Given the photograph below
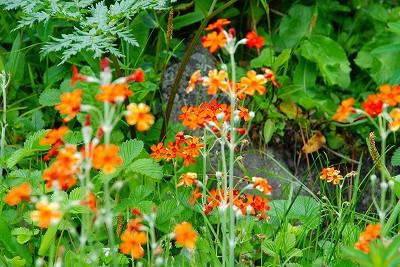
x,y
395,115
185,236
62,172
197,117
114,92
187,179
389,95
70,104
18,193
183,147
344,110
140,116
218,80
46,213
133,239
54,138
262,185
215,39
371,232
106,158
255,205
331,175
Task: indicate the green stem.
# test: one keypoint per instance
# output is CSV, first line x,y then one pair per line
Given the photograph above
x,y
205,178
232,242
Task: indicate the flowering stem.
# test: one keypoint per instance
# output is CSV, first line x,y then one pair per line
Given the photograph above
x,y
203,197
4,85
231,163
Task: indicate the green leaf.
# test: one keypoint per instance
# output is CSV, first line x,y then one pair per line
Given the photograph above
x,y
268,247
396,157
146,167
295,25
49,97
10,244
32,142
283,57
268,131
265,59
305,209
48,239
187,19
330,59
129,150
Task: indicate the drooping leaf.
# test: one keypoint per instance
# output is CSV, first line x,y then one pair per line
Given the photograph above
x,y
330,58
314,143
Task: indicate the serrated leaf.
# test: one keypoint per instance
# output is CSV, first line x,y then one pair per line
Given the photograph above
x,y
77,194
33,141
17,156
129,150
146,167
268,247
22,239
396,157
49,97
21,231
166,211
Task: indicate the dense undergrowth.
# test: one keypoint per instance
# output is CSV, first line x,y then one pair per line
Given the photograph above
x,y
97,170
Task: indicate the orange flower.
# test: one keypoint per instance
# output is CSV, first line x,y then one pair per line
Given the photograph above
x,y
218,24
18,193
195,195
216,80
244,113
395,124
63,169
54,135
106,158
193,146
134,225
214,41
262,185
76,76
194,79
140,116
90,202
114,92
371,232
344,110
159,151
46,213
270,76
254,40
132,242
253,83
373,106
331,175
137,76
70,104
389,95
185,236
188,179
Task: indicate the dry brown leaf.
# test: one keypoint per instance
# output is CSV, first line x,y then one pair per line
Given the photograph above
x,y
314,143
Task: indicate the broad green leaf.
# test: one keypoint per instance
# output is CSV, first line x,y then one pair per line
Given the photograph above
x,y
265,59
129,150
10,244
330,59
268,247
188,19
295,25
283,57
146,167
